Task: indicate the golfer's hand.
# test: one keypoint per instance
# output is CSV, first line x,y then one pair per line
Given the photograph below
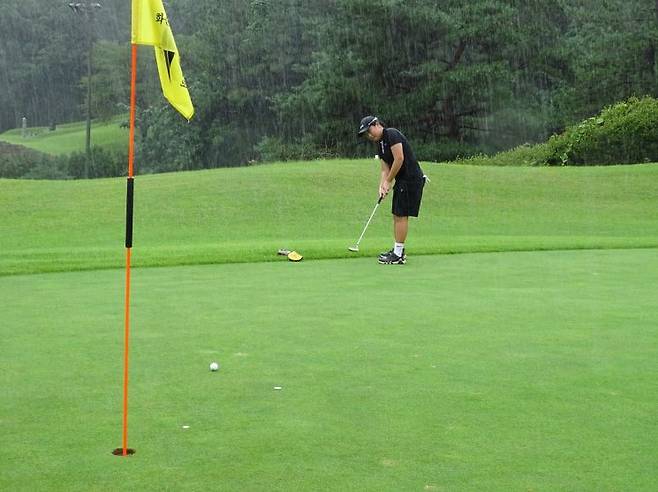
x,y
384,188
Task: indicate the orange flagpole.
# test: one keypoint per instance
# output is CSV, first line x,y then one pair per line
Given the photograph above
x,y
129,233
124,439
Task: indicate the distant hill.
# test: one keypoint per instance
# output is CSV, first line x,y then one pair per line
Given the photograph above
x,y
70,137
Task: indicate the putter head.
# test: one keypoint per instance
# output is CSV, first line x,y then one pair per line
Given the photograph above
x,y
353,249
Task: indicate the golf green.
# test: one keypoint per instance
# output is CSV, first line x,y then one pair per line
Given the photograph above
x,y
488,371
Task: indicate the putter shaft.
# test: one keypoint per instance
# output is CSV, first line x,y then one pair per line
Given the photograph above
x,y
356,246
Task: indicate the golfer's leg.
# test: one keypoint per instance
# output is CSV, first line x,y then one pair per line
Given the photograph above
x,y
400,226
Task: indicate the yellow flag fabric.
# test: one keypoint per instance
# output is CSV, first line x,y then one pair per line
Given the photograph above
x,y
150,26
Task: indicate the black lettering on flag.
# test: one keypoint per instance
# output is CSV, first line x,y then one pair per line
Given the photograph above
x,y
160,18
169,59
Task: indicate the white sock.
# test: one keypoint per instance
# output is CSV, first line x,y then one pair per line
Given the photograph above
x,y
397,249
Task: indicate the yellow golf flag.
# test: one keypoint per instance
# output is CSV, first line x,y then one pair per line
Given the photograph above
x,y
151,26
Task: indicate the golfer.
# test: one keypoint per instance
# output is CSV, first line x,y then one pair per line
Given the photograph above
x,y
400,165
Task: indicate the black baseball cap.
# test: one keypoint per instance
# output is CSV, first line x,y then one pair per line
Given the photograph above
x,y
366,123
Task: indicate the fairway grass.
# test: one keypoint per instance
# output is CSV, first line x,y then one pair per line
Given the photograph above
x,y
493,371
319,208
71,137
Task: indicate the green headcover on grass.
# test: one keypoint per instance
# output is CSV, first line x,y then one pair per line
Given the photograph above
x,y
318,208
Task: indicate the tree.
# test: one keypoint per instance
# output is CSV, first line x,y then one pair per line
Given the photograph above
x,y
611,50
239,66
39,68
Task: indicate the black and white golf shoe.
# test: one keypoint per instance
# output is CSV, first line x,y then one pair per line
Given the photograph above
x,y
386,253
391,258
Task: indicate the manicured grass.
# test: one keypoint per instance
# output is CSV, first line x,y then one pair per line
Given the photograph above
x,y
70,137
524,370
507,371
319,208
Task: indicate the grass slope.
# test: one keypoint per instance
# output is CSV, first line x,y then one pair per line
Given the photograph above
x,y
499,371
70,137
319,208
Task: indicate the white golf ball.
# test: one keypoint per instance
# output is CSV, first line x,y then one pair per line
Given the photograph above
x,y
214,366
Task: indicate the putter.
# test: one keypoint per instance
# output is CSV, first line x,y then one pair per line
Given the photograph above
x,y
355,248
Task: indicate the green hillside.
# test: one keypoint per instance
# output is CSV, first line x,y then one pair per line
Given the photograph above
x,y
495,371
319,208
70,137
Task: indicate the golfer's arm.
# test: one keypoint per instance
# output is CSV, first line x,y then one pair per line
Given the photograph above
x,y
398,159
384,173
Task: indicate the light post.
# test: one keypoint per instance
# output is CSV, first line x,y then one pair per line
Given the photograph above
x,y
86,10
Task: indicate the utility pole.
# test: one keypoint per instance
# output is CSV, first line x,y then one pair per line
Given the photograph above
x,y
86,10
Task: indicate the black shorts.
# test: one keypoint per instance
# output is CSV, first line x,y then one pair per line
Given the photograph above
x,y
407,196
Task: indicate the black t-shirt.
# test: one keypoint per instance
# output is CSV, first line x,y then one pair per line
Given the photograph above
x,y
410,169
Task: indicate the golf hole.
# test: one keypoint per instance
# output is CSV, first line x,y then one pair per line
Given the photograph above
x,y
119,452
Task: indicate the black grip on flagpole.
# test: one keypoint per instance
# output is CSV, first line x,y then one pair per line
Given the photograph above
x,y
129,212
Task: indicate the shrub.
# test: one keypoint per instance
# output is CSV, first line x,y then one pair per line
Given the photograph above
x,y
49,168
105,163
442,151
624,133
167,143
14,165
523,155
272,149
19,162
